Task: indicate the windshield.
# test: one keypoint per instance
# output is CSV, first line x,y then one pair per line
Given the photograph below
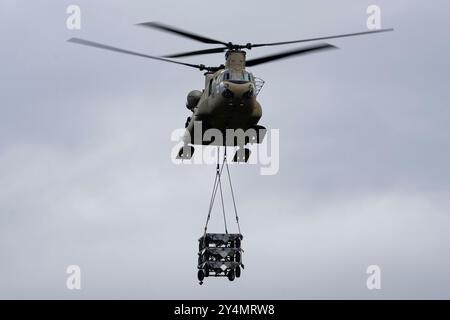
x,y
236,76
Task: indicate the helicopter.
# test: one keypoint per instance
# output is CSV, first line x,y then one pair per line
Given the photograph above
x,y
228,101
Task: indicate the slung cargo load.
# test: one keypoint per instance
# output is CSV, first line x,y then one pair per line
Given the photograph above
x,y
228,240
220,255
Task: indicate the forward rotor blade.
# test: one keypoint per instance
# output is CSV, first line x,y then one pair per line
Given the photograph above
x,y
110,48
321,38
196,53
183,33
286,54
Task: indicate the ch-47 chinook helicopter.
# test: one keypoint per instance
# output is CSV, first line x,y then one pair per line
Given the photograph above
x,y
228,100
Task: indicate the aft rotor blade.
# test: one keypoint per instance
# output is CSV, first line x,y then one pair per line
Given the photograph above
x,y
196,53
110,48
183,33
286,54
321,38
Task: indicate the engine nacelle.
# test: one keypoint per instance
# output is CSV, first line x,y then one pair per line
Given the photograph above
x,y
192,99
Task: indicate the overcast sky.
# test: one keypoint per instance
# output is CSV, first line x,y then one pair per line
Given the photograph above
x,y
86,176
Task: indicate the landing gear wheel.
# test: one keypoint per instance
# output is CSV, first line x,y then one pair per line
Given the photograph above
x,y
231,275
185,152
237,243
260,133
200,275
238,272
241,155
237,257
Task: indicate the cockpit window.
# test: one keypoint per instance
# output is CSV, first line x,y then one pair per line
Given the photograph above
x,y
236,76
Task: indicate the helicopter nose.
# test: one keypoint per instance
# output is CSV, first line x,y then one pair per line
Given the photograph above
x,y
238,91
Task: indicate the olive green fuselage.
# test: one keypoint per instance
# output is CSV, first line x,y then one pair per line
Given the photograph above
x,y
227,102
216,110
